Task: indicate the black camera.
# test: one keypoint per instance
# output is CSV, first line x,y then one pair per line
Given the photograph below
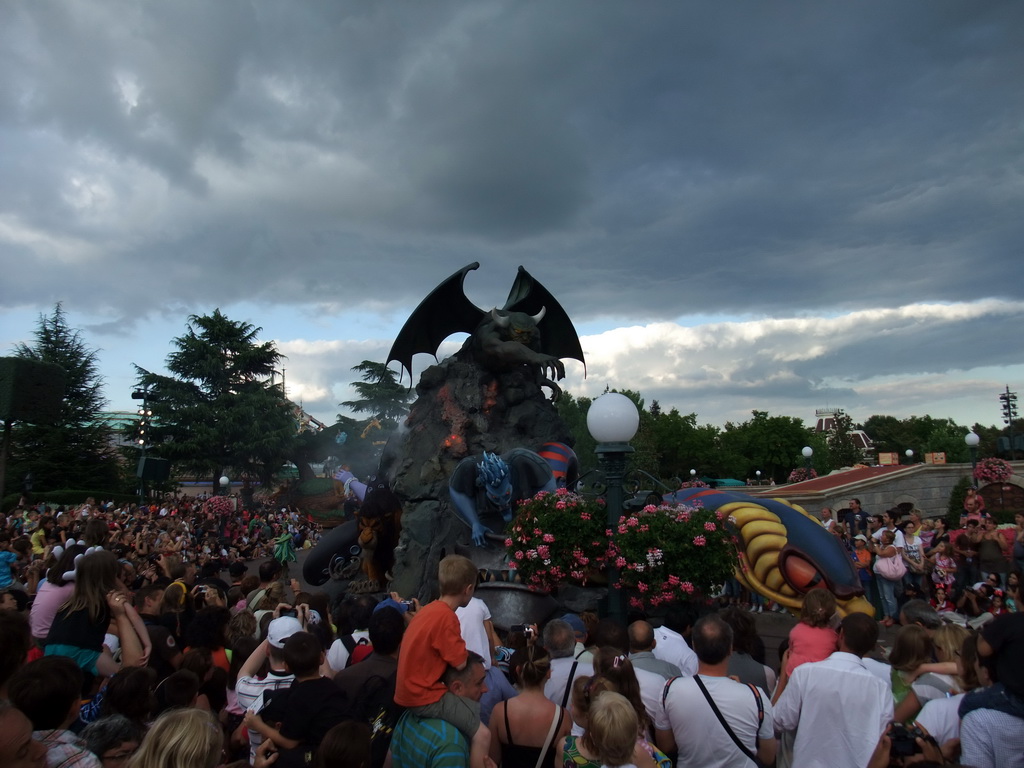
x,y
526,629
904,740
290,612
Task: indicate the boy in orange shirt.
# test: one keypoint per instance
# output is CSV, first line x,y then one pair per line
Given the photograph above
x,y
433,642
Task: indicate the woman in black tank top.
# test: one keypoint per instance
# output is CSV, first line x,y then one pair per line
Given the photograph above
x,y
528,730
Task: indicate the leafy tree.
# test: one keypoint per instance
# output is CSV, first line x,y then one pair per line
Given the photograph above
x,y
842,448
75,452
219,411
771,444
682,445
380,394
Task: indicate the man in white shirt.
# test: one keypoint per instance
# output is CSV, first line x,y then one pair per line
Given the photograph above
x,y
560,641
671,646
743,726
837,707
889,524
826,518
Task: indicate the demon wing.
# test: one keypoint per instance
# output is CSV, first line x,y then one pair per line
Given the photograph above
x,y
444,312
558,337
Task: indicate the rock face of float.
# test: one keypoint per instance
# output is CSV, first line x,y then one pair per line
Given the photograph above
x,y
461,410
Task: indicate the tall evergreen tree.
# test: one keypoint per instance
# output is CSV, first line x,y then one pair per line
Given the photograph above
x,y
75,452
381,395
219,410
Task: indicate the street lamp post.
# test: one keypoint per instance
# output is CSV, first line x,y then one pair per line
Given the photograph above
x,y
612,421
693,475
758,473
910,455
807,452
225,482
972,441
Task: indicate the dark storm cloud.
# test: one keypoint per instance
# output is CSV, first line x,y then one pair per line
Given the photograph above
x,y
655,160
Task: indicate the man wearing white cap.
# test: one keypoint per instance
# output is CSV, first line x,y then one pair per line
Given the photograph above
x,y
253,692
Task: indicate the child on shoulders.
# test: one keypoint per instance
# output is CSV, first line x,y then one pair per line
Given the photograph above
x,y
814,638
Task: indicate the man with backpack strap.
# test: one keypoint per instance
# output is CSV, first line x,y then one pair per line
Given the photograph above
x,y
716,721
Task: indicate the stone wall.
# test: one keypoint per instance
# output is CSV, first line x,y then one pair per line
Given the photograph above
x,y
926,486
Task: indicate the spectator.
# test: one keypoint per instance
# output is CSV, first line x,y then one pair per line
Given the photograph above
x,y
113,739
47,691
15,642
992,720
529,729
714,720
181,738
429,742
18,746
314,704
642,643
837,707
671,639
255,692
433,641
560,642
813,638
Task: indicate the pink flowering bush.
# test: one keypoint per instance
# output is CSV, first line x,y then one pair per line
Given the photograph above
x,y
672,552
993,471
556,538
800,474
219,505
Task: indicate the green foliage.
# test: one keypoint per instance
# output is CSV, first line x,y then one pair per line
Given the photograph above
x,y
380,394
842,449
219,411
771,444
75,451
955,508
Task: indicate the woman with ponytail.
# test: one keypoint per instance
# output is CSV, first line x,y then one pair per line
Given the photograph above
x,y
528,730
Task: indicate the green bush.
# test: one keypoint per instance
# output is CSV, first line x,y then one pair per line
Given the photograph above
x,y
956,503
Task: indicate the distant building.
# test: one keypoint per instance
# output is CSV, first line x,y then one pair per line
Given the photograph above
x,y
825,421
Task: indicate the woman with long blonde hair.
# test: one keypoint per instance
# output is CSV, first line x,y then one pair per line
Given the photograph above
x,y
181,738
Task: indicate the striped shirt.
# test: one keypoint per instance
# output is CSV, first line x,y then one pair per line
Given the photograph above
x,y
427,742
248,691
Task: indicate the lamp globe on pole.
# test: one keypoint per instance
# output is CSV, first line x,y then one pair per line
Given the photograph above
x,y
910,455
972,441
807,452
612,421
225,483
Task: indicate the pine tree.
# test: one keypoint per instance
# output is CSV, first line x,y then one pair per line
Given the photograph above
x,y
381,395
74,452
219,410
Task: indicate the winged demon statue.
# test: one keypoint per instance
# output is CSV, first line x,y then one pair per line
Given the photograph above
x,y
531,329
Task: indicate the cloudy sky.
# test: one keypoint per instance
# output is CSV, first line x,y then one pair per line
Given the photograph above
x,y
781,206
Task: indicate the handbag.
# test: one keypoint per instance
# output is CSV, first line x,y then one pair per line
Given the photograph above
x,y
892,568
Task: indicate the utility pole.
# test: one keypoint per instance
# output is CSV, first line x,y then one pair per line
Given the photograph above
x,y
1009,400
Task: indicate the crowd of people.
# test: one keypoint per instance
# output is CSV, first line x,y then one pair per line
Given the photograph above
x,y
137,637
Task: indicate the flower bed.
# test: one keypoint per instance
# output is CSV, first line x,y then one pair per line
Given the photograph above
x,y
664,553
557,537
672,552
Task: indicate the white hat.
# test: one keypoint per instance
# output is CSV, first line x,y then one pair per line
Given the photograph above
x,y
281,629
